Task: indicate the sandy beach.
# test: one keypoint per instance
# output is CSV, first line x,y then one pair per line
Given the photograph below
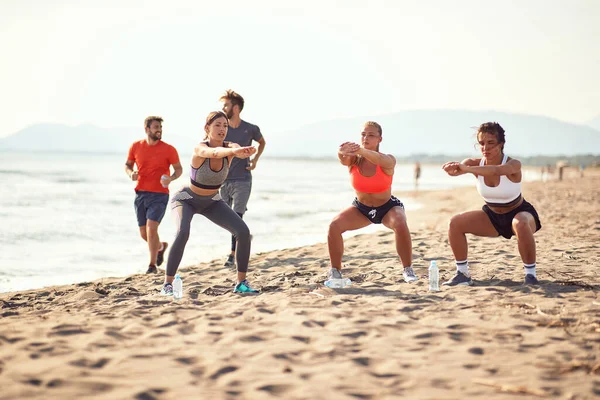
x,y
118,338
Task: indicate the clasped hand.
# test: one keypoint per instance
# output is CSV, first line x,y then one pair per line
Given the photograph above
x,y
349,149
454,168
244,152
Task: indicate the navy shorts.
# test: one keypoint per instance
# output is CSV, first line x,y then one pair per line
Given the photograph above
x,y
503,222
376,214
150,205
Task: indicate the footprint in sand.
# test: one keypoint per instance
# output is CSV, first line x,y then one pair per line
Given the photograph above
x,y
149,394
275,390
85,363
252,339
302,339
67,330
223,371
187,360
355,335
363,361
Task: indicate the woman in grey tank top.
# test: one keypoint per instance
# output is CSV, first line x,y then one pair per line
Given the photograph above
x,y
209,168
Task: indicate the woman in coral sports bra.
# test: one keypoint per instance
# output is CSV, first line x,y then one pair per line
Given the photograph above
x,y
371,174
505,212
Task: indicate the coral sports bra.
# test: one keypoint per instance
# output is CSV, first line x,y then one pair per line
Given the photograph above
x,y
378,183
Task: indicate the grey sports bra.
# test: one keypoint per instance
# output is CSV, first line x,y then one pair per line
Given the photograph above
x,y
204,177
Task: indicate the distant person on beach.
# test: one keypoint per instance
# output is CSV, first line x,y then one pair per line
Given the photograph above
x,y
153,159
210,165
505,213
371,174
236,189
417,174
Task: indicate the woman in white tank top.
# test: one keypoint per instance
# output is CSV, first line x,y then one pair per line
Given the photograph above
x,y
505,213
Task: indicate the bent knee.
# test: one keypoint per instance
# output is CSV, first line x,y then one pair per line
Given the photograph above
x,y
336,227
521,225
455,224
243,232
399,222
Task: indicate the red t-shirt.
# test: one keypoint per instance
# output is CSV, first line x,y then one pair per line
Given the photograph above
x,y
152,162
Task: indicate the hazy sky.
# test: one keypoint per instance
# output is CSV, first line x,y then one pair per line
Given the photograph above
x,y
112,63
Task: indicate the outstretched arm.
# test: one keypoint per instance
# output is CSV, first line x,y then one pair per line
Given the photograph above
x,y
510,168
203,151
385,161
453,168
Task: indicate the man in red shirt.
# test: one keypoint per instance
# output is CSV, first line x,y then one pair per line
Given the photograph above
x,y
153,158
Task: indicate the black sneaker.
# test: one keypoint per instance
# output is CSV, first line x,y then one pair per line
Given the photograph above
x,y
152,269
459,279
230,261
531,280
161,253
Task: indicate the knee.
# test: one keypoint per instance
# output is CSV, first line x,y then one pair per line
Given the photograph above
x,y
335,228
454,224
242,233
143,235
521,226
399,224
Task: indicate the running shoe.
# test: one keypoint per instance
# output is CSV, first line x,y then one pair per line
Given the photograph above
x,y
230,261
161,253
409,275
334,273
167,289
531,280
152,269
244,287
459,279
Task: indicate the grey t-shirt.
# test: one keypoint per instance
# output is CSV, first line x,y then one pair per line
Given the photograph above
x,y
242,135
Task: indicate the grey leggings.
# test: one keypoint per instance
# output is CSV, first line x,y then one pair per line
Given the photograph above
x,y
185,204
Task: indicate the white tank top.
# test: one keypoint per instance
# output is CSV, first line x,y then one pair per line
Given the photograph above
x,y
505,192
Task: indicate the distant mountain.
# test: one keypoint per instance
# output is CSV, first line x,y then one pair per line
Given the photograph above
x,y
426,132
82,138
442,132
595,122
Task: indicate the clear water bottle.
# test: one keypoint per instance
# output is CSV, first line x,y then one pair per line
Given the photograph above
x,y
177,288
338,283
434,277
161,179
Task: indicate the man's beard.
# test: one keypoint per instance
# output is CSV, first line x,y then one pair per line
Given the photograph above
x,y
155,136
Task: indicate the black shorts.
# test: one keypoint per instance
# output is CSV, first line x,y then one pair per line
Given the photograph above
x,y
376,214
503,222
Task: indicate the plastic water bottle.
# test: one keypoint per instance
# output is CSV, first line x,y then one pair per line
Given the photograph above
x,y
161,179
338,283
434,277
177,288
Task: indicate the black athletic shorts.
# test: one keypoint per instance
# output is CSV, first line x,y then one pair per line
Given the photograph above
x,y
376,214
503,222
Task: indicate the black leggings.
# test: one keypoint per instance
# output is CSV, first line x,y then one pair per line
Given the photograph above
x,y
185,204
233,240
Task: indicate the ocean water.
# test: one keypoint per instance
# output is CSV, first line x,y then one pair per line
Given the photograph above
x,y
67,218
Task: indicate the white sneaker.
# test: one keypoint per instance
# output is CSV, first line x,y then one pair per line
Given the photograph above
x,y
334,273
409,275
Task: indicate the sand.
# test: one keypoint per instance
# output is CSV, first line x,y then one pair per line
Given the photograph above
x,y
117,338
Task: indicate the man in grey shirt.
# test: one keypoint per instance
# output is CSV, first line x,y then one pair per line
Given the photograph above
x,y
236,189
